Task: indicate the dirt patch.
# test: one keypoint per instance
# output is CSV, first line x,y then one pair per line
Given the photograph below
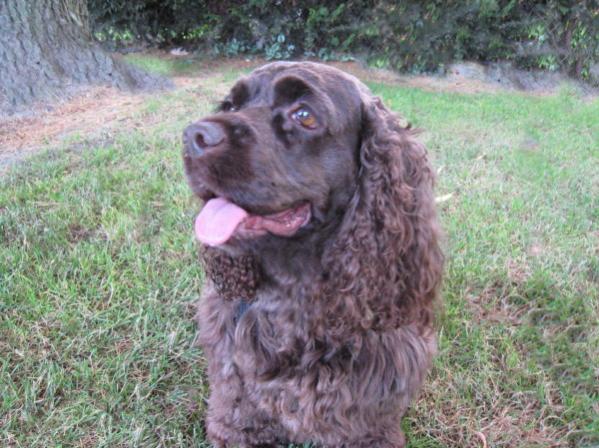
x,y
123,345
503,426
94,115
100,110
488,308
458,84
505,418
79,233
472,77
86,114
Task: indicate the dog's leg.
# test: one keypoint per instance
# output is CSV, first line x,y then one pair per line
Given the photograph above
x,y
232,421
222,436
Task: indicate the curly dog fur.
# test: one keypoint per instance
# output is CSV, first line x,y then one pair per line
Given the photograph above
x,y
326,335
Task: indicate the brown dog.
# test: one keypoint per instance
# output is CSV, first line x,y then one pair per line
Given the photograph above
x,y
322,258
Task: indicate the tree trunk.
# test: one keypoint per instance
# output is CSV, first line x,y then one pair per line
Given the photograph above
x,y
47,54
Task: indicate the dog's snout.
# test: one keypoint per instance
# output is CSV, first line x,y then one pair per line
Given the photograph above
x,y
200,137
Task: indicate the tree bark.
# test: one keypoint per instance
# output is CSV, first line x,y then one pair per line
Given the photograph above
x,y
47,53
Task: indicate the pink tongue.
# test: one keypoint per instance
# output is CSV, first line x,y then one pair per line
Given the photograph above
x,y
217,221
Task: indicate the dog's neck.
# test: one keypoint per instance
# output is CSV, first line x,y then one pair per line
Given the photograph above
x,y
272,261
296,259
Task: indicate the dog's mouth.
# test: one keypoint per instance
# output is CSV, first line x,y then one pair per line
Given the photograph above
x,y
220,220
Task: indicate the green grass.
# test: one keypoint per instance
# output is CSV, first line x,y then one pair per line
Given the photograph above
x,y
519,355
162,66
98,274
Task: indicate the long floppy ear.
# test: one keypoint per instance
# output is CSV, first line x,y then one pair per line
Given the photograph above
x,y
385,266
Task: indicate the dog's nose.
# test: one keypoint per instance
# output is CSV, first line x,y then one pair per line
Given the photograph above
x,y
200,137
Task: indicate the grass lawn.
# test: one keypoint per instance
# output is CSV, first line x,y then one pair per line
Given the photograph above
x,y
98,274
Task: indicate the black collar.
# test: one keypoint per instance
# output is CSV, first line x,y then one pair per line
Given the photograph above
x,y
242,307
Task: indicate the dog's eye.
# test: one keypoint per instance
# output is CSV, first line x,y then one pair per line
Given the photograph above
x,y
304,117
227,106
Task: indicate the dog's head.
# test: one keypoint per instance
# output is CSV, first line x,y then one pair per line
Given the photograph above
x,y
302,149
281,155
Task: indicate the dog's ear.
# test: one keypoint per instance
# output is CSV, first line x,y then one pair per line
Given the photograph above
x,y
385,265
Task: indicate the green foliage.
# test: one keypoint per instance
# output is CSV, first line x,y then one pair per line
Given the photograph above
x,y
408,35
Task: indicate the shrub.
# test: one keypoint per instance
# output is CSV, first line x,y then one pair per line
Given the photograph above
x,y
408,35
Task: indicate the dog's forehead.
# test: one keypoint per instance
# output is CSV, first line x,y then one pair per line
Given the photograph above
x,y
320,78
337,95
